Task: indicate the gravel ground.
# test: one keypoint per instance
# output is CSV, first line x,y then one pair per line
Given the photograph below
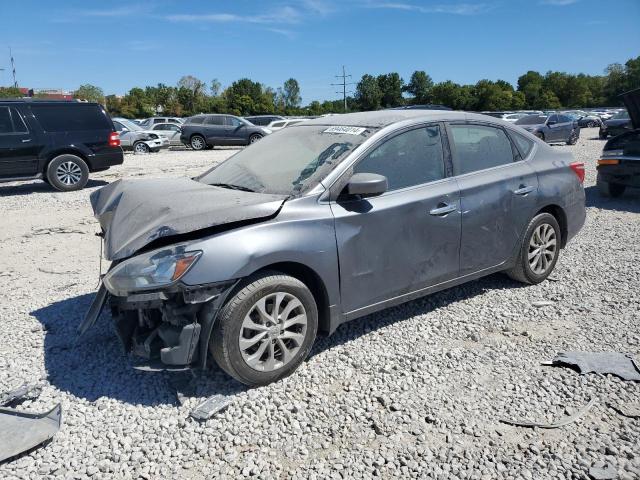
x,y
414,391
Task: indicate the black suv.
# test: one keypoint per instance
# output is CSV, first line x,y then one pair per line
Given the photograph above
x,y
206,131
59,142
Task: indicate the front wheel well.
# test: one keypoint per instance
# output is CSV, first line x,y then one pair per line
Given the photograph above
x,y
561,218
313,282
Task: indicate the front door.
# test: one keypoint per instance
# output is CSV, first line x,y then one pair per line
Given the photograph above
x,y
19,148
235,131
498,194
407,238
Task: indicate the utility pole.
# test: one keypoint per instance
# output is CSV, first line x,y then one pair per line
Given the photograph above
x,y
343,84
13,67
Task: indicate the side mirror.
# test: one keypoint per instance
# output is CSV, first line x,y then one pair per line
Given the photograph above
x,y
367,185
124,130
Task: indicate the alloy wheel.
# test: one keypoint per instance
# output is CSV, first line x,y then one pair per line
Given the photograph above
x,y
254,138
542,248
273,331
197,143
69,173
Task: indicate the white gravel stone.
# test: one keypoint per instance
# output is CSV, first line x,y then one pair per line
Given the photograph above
x,y
416,391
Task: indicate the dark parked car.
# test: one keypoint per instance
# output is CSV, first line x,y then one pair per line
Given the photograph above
x,y
263,120
324,222
584,119
59,142
619,166
207,131
619,123
553,128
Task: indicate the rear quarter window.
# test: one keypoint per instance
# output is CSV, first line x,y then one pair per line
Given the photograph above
x,y
71,117
523,144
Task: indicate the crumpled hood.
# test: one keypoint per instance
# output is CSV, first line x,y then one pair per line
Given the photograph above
x,y
134,213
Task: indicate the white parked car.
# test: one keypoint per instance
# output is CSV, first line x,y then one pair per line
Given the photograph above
x,y
513,117
170,131
280,124
134,137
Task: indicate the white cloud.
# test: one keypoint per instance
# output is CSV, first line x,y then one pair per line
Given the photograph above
x,y
284,15
559,3
452,9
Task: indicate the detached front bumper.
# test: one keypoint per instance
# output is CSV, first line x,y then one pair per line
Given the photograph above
x,y
164,330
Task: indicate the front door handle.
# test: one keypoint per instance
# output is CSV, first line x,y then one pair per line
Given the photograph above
x,y
442,209
26,140
523,190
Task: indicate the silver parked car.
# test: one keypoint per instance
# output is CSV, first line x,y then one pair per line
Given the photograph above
x,y
324,222
134,137
147,123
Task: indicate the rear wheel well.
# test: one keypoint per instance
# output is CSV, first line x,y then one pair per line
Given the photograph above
x,y
561,218
313,282
66,151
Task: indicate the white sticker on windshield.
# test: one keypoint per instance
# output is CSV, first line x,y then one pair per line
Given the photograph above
x,y
344,129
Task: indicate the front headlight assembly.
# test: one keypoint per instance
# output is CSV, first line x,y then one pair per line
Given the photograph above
x,y
150,271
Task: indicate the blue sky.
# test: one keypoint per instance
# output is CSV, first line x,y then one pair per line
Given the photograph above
x,y
118,45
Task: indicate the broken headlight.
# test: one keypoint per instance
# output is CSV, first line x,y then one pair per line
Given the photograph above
x,y
150,270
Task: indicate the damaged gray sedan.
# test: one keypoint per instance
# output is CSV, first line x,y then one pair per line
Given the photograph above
x,y
325,222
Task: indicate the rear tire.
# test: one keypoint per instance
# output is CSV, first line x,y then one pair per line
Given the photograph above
x,y
67,173
539,250
573,138
276,347
198,142
540,135
608,189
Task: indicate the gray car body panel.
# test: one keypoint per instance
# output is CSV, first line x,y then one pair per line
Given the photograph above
x,y
350,248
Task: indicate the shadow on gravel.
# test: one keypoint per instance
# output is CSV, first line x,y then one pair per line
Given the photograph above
x,y
356,328
38,187
97,367
628,202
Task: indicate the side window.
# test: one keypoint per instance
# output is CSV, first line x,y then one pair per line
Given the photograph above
x,y
564,119
172,120
5,121
173,128
478,147
553,119
196,120
65,117
234,122
214,120
18,122
118,126
278,124
410,158
158,120
523,144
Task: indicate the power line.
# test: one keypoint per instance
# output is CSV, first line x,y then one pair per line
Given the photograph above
x,y
343,84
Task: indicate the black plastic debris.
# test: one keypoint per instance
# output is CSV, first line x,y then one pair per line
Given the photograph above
x,y
211,406
617,364
556,424
22,431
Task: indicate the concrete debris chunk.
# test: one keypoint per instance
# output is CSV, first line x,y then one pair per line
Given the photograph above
x,y
557,424
618,364
604,473
22,431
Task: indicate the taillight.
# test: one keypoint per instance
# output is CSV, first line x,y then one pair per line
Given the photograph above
x,y
608,161
114,139
578,169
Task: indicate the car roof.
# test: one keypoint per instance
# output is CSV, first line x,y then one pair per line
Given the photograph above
x,y
383,118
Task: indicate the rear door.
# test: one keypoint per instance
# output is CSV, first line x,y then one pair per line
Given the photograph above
x,y
214,129
498,193
19,147
407,238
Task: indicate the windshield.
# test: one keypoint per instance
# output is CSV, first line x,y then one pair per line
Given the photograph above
x,y
623,115
129,124
288,162
532,120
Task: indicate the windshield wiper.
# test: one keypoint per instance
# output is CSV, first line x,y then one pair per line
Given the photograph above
x,y
232,187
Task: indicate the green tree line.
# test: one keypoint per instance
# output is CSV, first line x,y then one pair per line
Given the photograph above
x,y
534,90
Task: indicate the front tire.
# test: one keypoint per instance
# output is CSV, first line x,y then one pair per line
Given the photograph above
x,y
266,329
540,135
141,147
198,142
67,173
573,138
539,250
608,189
602,135
254,138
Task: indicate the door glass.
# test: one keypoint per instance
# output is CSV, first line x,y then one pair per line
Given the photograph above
x,y
214,120
234,122
18,122
478,147
524,144
411,158
5,121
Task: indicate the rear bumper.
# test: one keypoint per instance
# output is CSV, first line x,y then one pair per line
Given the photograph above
x,y
102,161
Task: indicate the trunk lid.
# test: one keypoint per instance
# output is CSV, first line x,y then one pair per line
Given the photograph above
x,y
632,102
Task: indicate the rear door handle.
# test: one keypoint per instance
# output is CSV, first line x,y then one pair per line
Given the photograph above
x,y
442,209
523,190
26,140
